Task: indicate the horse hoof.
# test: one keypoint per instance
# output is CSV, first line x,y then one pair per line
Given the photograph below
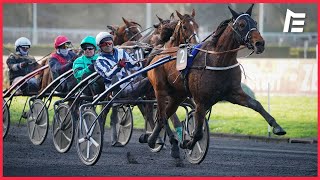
x,y
279,131
160,141
151,142
183,145
144,138
175,150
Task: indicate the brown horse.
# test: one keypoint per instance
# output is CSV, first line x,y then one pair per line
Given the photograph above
x,y
214,76
128,32
185,31
154,37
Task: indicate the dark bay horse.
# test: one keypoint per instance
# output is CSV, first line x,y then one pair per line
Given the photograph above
x,y
214,76
130,31
154,37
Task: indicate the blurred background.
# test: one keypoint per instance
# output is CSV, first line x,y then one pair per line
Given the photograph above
x,y
43,22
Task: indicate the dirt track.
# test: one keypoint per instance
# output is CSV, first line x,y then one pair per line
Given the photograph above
x,y
226,157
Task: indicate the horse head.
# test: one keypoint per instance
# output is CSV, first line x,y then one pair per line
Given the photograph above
x,y
185,31
131,29
158,27
128,32
246,30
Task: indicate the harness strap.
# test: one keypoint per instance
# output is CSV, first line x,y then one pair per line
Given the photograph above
x,y
221,52
221,68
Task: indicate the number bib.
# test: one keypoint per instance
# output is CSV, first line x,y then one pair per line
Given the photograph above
x,y
138,53
181,63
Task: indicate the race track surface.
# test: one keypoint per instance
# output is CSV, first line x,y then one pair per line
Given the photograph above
x,y
226,157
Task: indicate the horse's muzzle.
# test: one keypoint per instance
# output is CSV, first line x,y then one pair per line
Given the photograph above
x,y
259,47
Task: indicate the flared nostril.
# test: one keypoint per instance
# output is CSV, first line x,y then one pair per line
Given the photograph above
x,y
259,43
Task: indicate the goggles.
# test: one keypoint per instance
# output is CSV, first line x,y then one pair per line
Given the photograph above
x,y
65,45
106,43
88,48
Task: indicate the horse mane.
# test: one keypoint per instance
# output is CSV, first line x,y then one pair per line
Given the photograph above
x,y
220,29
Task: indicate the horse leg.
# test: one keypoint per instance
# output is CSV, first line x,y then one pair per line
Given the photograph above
x,y
160,122
176,122
177,125
172,107
199,115
241,98
147,112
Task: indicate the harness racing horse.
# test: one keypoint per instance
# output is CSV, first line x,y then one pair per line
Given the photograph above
x,y
214,76
185,31
174,32
128,32
153,38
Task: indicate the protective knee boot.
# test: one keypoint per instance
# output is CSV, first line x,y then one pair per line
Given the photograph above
x,y
179,133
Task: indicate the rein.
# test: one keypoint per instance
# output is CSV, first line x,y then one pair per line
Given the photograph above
x,y
32,62
139,33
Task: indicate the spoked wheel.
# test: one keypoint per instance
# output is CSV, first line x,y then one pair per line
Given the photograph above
x,y
124,125
89,137
162,134
6,118
38,122
63,128
199,151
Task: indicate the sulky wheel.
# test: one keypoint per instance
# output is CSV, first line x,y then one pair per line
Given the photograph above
x,y
6,118
89,137
199,151
38,122
63,128
124,125
162,134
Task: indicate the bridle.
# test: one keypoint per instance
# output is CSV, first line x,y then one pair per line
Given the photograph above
x,y
186,40
128,32
244,35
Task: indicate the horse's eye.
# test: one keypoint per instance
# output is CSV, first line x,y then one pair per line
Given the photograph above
x,y
184,27
242,25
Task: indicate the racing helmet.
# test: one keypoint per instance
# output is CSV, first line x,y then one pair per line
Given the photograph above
x,y
103,35
89,40
23,41
60,40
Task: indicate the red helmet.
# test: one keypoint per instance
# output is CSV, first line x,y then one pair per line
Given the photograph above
x,y
60,40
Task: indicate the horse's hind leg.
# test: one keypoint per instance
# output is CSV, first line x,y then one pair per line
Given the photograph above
x,y
199,115
244,100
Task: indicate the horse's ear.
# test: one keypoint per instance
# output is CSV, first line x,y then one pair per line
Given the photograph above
x,y
249,11
193,13
234,14
112,28
156,25
126,21
161,20
136,23
172,17
179,15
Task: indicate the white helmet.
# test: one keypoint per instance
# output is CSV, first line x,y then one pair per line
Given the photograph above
x,y
23,41
101,36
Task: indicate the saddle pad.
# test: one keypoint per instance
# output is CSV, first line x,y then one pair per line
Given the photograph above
x,y
194,52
